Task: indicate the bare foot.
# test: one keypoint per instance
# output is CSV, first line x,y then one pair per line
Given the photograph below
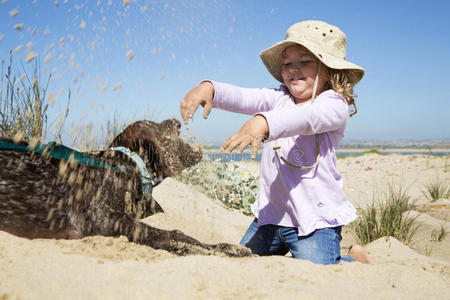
x,y
360,254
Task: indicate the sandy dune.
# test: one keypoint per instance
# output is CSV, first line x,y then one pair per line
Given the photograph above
x,y
113,268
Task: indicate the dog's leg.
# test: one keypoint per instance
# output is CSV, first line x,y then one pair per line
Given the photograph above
x,y
179,243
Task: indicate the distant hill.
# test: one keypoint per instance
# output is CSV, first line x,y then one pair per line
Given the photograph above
x,y
432,143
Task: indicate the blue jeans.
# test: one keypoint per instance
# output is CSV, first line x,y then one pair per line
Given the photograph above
x,y
321,246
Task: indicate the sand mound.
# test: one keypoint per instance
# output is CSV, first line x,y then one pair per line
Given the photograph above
x,y
196,215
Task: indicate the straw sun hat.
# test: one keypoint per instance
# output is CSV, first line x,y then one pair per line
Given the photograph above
x,y
325,41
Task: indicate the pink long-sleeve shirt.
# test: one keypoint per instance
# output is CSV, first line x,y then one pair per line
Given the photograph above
x,y
306,199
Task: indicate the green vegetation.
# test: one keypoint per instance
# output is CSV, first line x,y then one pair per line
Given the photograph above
x,y
23,105
426,249
437,189
387,216
372,151
111,130
438,235
229,184
357,152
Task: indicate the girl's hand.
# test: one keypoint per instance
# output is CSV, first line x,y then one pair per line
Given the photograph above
x,y
202,95
252,133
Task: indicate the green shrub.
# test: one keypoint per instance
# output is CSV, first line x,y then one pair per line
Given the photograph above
x,y
228,183
387,216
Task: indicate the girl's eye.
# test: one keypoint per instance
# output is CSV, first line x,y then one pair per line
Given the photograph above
x,y
304,62
287,63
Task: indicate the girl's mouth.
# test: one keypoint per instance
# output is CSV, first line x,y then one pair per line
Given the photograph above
x,y
294,80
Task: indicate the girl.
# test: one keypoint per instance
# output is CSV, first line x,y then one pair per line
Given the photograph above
x,y
301,206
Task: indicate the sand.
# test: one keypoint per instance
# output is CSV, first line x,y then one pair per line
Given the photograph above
x,y
113,268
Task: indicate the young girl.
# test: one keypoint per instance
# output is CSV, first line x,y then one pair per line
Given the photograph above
x,y
301,206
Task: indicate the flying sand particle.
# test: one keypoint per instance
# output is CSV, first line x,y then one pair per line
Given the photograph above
x,y
117,86
31,56
103,87
18,27
51,98
18,80
83,24
14,12
48,58
130,54
1,37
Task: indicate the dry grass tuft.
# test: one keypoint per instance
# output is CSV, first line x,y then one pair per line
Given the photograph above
x,y
23,104
437,189
388,215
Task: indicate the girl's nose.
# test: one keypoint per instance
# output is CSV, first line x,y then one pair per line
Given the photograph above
x,y
295,69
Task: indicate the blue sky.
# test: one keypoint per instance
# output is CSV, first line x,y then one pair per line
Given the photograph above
x,y
404,47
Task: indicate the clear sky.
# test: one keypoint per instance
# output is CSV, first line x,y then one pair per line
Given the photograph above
x,y
137,59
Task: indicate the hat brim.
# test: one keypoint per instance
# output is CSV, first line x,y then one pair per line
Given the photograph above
x,y
273,59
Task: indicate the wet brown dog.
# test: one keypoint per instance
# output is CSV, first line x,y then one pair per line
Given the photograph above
x,y
41,197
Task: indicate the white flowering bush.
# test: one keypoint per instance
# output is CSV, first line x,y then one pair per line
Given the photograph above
x,y
228,183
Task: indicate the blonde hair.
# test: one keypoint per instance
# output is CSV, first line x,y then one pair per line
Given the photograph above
x,y
343,81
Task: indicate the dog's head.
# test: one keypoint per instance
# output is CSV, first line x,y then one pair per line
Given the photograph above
x,y
160,146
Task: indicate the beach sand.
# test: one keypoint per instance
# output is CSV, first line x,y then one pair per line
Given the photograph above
x,y
113,268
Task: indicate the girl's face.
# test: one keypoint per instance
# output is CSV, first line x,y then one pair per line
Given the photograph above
x,y
299,72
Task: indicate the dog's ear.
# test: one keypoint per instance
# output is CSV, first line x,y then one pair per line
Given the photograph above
x,y
172,126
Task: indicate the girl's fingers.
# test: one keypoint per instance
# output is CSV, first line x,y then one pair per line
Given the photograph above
x,y
243,144
207,110
230,144
187,110
183,111
255,147
241,141
202,95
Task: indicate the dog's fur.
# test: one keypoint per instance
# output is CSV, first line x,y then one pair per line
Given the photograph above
x,y
42,197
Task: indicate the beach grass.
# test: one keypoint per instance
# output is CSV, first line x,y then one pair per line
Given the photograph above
x,y
439,234
436,189
387,215
23,103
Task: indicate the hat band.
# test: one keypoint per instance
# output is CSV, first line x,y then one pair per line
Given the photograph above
x,y
315,48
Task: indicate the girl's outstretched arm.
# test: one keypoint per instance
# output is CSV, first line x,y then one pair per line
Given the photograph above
x,y
202,95
247,101
213,94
